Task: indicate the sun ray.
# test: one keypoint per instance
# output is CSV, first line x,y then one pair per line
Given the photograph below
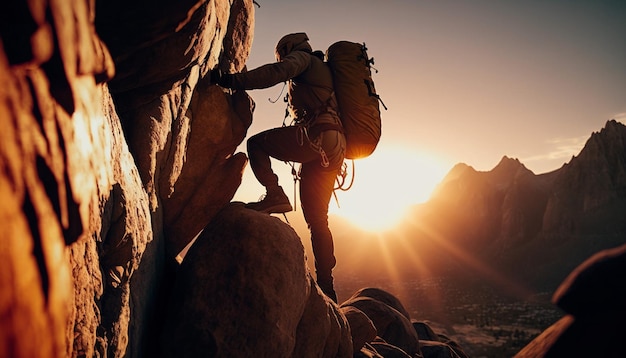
x,y
484,270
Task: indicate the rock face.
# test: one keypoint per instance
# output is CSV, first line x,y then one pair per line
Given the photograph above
x,y
247,273
112,140
116,151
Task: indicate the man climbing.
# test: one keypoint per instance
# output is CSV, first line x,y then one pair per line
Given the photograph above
x,y
316,140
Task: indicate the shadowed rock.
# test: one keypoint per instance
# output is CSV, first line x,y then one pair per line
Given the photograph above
x,y
594,296
392,326
361,327
384,297
244,290
387,350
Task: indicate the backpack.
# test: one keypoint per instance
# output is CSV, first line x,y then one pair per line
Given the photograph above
x,y
356,97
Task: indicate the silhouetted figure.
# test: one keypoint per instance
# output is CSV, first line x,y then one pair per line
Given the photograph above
x,y
316,140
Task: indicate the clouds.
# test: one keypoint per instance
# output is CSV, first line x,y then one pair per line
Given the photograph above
x,y
560,150
620,117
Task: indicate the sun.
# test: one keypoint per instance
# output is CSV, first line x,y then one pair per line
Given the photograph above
x,y
386,185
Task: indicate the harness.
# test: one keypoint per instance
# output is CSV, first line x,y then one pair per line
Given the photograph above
x,y
306,131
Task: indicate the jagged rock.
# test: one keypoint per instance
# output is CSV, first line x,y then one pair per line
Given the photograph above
x,y
392,326
362,329
179,127
57,148
594,296
243,289
211,174
589,194
70,178
113,249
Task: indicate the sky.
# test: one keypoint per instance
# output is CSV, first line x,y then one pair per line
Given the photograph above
x,y
464,82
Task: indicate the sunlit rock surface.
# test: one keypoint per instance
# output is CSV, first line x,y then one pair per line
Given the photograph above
x,y
98,108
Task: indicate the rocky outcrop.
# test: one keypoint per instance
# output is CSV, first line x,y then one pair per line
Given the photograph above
x,y
61,162
116,151
112,141
395,333
244,289
594,299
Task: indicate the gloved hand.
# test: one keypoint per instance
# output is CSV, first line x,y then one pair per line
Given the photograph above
x,y
223,79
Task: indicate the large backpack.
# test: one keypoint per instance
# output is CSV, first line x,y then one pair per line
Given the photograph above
x,y
356,97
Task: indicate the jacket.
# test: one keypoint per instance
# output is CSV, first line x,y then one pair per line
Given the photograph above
x,y
310,91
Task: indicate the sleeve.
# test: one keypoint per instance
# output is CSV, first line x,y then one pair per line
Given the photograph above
x,y
273,73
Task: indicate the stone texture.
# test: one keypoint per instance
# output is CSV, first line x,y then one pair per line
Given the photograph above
x,y
392,326
50,112
243,289
362,328
83,248
211,174
382,296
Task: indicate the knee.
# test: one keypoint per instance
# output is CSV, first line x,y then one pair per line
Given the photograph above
x,y
251,141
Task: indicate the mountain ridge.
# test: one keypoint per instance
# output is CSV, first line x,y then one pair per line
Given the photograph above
x,y
509,210
535,228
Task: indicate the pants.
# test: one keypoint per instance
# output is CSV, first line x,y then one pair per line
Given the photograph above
x,y
317,181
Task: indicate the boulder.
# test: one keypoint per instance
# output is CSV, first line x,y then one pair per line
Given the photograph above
x,y
424,331
392,326
595,290
244,289
594,296
362,328
384,297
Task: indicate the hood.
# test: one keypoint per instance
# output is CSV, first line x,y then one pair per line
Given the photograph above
x,y
293,42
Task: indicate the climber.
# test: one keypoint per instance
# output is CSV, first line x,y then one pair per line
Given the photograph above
x,y
316,140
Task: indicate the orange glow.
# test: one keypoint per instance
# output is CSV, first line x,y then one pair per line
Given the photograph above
x,y
386,185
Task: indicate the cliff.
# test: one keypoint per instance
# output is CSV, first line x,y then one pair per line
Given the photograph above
x,y
116,152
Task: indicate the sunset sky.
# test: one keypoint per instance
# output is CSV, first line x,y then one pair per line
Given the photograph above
x,y
464,81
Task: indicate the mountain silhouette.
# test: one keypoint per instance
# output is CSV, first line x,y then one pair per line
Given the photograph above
x,y
531,228
536,227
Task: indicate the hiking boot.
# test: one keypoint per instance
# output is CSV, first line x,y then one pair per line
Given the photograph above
x,y
274,202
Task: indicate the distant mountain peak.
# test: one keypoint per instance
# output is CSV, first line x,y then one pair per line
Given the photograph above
x,y
609,142
508,164
459,170
508,169
612,124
